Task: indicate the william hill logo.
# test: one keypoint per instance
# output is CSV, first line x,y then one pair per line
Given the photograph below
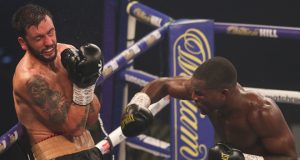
x,y
247,31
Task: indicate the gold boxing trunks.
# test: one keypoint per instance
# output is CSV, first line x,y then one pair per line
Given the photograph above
x,y
57,146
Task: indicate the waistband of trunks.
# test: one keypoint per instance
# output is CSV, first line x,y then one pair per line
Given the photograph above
x,y
60,145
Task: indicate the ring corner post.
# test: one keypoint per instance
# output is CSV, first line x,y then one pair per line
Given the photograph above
x,y
109,42
191,42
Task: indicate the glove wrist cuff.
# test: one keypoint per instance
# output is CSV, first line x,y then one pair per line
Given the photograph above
x,y
83,96
104,146
141,99
252,157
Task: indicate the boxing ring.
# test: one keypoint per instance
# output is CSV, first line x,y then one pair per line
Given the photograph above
x,y
164,25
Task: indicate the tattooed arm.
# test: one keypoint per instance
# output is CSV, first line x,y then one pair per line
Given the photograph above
x,y
53,106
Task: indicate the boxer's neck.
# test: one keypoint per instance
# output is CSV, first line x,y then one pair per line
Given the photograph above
x,y
233,99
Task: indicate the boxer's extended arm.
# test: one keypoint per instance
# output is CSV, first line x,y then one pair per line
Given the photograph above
x,y
277,139
137,117
177,87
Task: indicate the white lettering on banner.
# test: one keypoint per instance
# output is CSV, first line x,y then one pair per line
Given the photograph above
x,y
271,33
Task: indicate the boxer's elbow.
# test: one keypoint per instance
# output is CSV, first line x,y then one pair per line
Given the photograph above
x,y
74,129
93,112
92,120
293,155
80,117
67,129
75,125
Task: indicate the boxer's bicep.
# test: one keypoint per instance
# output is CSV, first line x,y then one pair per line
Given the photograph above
x,y
269,124
47,101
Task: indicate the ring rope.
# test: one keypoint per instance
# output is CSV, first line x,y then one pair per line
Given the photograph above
x,y
155,18
282,96
122,59
150,144
10,137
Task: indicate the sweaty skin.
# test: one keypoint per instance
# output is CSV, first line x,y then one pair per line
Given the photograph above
x,y
246,121
42,91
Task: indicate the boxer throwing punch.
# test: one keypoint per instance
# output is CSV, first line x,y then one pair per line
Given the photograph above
x,y
53,89
249,126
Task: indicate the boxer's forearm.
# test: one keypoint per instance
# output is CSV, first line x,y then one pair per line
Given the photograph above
x,y
80,117
76,120
93,112
177,87
156,89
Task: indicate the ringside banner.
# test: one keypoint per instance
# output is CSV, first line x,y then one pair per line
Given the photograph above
x,y
191,43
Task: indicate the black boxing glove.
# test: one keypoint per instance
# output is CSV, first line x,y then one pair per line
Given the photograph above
x,y
137,117
84,66
221,151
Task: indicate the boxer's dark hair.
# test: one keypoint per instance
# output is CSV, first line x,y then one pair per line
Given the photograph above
x,y
27,16
217,73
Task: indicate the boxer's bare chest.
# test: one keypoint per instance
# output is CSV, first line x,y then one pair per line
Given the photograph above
x,y
57,79
233,128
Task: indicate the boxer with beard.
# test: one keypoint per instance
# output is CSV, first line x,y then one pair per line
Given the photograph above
x,y
53,89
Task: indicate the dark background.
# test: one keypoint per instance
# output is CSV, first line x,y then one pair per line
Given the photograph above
x,y
261,62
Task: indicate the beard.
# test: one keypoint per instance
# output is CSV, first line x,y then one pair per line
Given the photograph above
x,y
39,54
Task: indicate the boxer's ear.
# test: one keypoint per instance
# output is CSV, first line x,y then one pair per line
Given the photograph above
x,y
225,91
22,43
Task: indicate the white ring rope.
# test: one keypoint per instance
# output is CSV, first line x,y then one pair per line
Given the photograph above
x,y
153,142
116,136
283,96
